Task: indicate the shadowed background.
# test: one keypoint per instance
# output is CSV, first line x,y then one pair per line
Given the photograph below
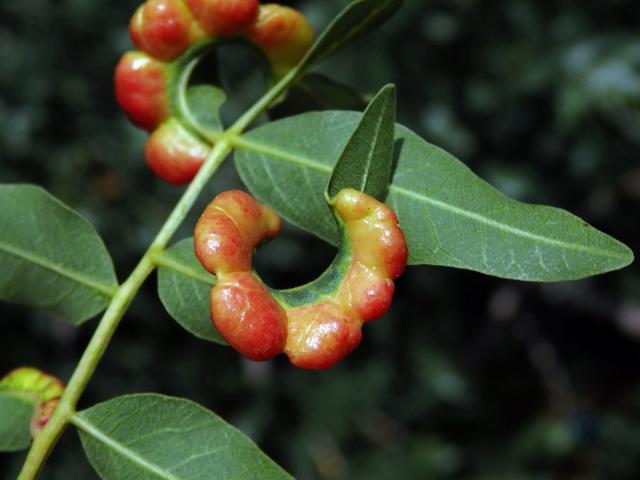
x,y
468,377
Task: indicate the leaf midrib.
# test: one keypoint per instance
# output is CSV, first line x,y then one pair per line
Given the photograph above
x,y
244,142
103,288
91,430
164,260
373,149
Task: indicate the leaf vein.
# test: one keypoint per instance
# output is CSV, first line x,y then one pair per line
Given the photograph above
x,y
131,455
103,288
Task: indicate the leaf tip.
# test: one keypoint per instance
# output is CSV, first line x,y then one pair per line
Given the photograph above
x,y
627,256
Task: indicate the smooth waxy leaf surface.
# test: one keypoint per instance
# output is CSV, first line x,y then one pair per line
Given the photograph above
x,y
356,20
184,287
365,162
51,257
450,216
152,436
16,410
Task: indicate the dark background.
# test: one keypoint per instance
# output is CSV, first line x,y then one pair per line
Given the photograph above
x,y
468,377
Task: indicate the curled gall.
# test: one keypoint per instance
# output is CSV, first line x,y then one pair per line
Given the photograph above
x,y
169,36
315,325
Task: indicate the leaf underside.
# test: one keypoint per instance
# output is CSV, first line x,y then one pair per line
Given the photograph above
x,y
150,436
51,257
450,216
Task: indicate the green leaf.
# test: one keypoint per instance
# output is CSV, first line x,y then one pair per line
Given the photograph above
x,y
356,20
151,436
204,103
315,92
184,287
16,410
365,162
51,257
450,216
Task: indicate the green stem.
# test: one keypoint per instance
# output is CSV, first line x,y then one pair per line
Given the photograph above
x,y
261,105
46,439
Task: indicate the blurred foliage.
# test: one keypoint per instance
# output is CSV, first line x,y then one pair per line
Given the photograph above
x,y
468,377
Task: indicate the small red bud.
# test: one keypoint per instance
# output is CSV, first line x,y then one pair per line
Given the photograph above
x,y
174,154
229,229
219,244
320,335
377,240
283,34
248,317
367,292
256,222
163,28
224,17
140,86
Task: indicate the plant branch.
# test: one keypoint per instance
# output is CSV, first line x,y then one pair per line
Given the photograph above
x,y
46,439
265,102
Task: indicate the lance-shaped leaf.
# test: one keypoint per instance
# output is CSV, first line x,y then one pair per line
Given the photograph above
x,y
365,162
184,287
356,20
450,216
51,257
152,436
